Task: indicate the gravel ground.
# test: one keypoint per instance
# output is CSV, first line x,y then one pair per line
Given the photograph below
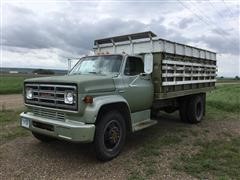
x,y
12,101
27,158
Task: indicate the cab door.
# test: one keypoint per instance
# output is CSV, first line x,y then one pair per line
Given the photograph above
x,y
138,87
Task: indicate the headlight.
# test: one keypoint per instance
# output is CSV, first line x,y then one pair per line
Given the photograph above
x,y
68,97
29,93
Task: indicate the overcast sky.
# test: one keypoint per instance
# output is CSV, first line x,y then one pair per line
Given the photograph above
x,y
43,34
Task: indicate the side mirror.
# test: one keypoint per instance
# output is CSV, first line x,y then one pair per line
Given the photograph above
x,y
148,63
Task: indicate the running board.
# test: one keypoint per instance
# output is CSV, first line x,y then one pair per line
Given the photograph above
x,y
143,124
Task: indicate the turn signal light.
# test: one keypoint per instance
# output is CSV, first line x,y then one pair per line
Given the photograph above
x,y
88,99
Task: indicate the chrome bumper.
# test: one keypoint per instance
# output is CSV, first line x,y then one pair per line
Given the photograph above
x,y
69,130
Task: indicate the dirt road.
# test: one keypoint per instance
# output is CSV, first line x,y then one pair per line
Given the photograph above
x,y
12,101
27,158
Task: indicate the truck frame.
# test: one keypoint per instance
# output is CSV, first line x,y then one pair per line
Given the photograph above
x,y
152,74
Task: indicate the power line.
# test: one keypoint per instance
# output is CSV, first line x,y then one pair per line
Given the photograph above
x,y
200,18
231,13
209,19
219,14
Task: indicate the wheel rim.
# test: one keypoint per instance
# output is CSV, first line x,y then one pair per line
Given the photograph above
x,y
199,110
112,135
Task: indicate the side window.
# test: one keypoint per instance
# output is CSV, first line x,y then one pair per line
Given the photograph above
x,y
134,66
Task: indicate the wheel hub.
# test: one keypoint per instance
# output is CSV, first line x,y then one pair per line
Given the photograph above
x,y
112,135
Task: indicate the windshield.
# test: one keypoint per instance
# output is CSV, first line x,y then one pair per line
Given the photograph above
x,y
107,64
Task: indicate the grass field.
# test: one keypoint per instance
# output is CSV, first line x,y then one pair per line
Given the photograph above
x,y
225,98
13,84
209,150
218,158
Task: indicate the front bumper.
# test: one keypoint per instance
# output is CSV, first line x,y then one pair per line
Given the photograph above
x,y
68,130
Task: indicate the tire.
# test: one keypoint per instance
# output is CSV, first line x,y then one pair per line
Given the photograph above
x,y
42,138
196,109
110,135
183,109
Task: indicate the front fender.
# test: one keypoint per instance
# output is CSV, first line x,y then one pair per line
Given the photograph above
x,y
91,111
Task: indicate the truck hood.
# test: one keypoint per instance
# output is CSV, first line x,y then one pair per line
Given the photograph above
x,y
86,83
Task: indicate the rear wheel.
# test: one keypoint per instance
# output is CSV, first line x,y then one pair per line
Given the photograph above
x,y
191,109
42,137
110,135
196,109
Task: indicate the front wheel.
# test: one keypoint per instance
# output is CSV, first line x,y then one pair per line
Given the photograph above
x,y
110,135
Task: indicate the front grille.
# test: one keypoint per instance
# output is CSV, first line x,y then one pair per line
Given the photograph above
x,y
51,95
48,114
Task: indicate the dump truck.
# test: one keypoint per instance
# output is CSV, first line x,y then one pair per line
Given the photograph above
x,y
119,90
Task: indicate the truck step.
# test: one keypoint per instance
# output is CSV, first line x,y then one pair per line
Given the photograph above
x,y
144,124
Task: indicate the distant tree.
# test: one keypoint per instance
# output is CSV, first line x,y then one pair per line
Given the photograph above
x,y
236,77
42,71
221,77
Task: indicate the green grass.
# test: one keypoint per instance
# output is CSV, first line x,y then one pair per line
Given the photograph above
x,y
149,152
11,84
219,158
153,148
225,99
10,128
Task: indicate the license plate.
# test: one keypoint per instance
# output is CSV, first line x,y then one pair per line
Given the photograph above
x,y
25,123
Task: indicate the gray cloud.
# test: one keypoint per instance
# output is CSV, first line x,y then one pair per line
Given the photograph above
x,y
220,32
72,29
221,44
185,22
65,34
69,34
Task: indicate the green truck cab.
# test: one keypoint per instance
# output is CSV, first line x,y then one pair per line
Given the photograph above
x,y
119,91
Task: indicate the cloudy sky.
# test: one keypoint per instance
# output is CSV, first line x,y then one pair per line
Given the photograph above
x,y
43,34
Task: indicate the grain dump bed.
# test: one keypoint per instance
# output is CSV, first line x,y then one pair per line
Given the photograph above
x,y
178,69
